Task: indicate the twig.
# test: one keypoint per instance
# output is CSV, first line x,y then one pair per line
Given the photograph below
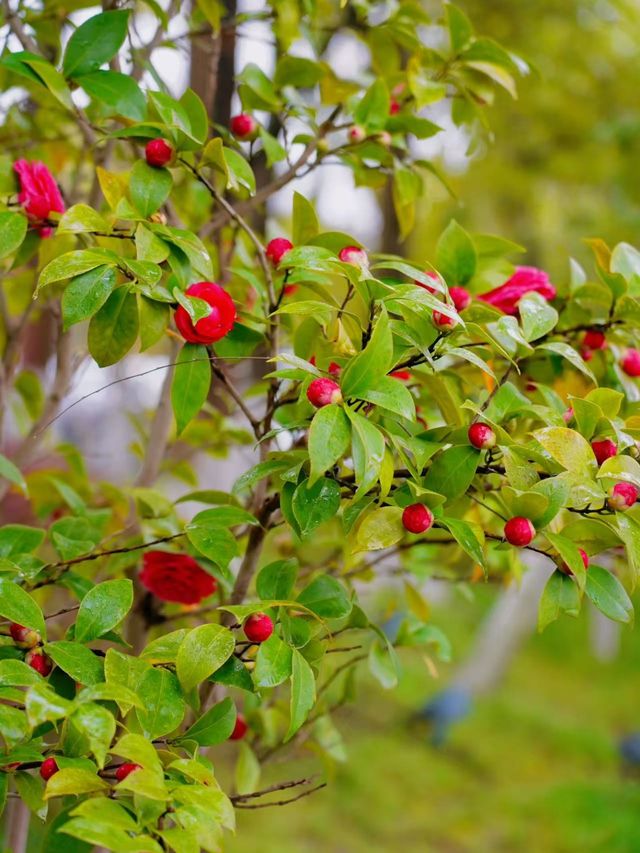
x,y
279,786
241,805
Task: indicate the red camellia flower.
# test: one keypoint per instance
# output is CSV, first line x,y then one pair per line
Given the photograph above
x,y
39,194
176,577
524,280
220,320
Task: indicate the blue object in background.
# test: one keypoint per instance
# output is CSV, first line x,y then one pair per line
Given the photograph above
x,y
444,709
629,748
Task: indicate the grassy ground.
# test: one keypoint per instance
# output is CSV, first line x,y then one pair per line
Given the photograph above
x,y
533,769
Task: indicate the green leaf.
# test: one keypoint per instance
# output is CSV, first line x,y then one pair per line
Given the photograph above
x,y
247,772
9,471
367,450
277,580
13,724
43,705
94,43
313,505
537,317
455,254
234,673
86,294
154,319
460,28
81,219
570,355
365,369
114,329
77,661
303,693
305,219
163,705
273,662
18,606
392,395
383,663
215,725
149,187
382,528
117,91
608,594
468,536
102,608
561,595
325,597
452,471
73,780
570,554
373,109
72,264
240,172
19,539
203,650
98,725
190,386
13,230
568,448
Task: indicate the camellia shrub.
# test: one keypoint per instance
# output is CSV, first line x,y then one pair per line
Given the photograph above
x,y
453,413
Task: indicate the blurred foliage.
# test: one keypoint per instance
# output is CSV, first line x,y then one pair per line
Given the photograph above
x,y
562,162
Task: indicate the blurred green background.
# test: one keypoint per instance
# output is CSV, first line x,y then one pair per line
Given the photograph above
x,y
535,767
562,161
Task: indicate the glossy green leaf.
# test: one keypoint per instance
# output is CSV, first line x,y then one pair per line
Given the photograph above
x,y
18,606
102,608
303,693
114,328
149,187
203,650
86,294
273,662
95,42
326,597
190,386
215,725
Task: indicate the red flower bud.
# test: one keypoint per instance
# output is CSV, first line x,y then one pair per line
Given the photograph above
x,y
519,531
357,134
159,152
603,449
48,768
524,280
290,289
125,769
434,276
394,107
321,392
176,577
25,638
631,363
417,518
567,416
244,127
354,255
37,660
594,339
334,369
623,496
402,375
277,249
461,297
258,627
481,436
240,728
443,321
217,324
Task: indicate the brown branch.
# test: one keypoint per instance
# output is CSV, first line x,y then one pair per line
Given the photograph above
x,y
241,805
160,428
279,786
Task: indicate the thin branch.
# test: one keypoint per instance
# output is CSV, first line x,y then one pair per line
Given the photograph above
x,y
281,802
279,786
